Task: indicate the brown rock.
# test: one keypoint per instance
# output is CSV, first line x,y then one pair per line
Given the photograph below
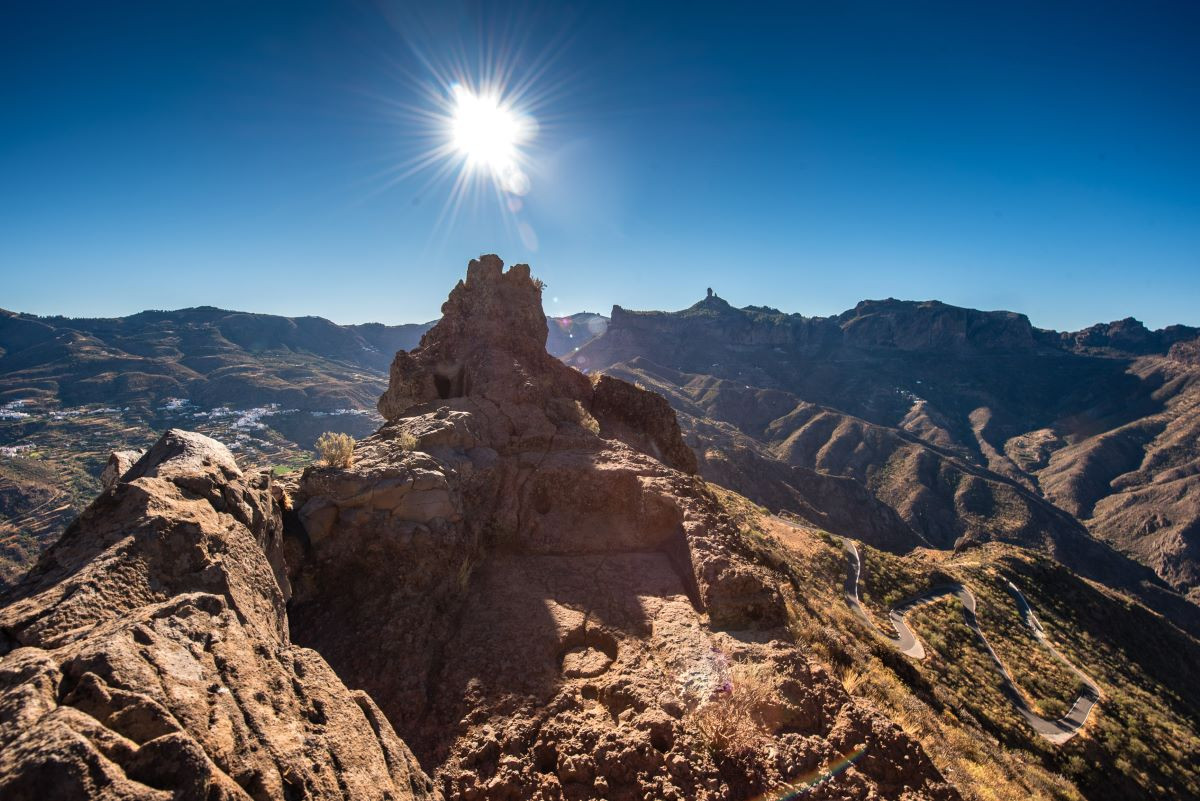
x,y
147,655
118,464
546,623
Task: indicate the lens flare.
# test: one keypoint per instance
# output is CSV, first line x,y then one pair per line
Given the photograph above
x,y
473,125
488,134
798,787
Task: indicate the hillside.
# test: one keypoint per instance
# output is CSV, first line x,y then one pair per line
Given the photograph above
x,y
1138,742
967,426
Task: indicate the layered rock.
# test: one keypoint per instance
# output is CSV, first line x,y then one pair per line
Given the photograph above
x,y
147,655
522,572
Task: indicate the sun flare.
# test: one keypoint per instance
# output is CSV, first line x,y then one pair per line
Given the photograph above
x,y
487,134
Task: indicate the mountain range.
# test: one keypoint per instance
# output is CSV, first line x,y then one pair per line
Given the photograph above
x,y
73,390
962,426
653,555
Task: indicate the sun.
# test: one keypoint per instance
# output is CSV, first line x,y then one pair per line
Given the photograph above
x,y
487,134
481,133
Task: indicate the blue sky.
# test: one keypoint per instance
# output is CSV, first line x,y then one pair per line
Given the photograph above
x,y
1031,156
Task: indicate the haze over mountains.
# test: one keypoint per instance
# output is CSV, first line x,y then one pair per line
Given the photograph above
x,y
211,356
73,390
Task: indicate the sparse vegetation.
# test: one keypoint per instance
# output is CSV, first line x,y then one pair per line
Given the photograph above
x,y
730,722
970,757
407,441
1140,740
298,462
336,450
586,420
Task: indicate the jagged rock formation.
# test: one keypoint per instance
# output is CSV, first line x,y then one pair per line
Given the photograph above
x,y
147,655
522,573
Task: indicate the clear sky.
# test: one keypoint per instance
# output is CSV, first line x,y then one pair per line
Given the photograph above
x,y
1041,157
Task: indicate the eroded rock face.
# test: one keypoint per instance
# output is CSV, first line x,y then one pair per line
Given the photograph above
x,y
491,345
491,341
147,655
521,570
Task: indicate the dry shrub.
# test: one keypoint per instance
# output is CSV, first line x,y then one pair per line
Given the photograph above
x,y
573,411
336,450
852,678
585,419
407,441
730,722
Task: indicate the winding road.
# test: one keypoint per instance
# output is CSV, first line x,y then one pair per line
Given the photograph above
x,y
906,642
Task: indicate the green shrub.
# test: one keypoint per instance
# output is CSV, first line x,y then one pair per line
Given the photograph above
x,y
336,450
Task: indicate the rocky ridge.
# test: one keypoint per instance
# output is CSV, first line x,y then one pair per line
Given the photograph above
x,y
894,324
215,356
549,595
968,426
520,573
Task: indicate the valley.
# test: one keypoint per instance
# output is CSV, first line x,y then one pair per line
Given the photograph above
x,y
736,552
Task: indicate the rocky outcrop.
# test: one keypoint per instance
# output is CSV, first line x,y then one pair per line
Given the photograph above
x,y
521,571
490,342
1128,336
147,655
490,345
633,415
118,464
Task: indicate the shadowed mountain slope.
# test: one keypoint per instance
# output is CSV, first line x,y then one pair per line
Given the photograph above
x,y
969,425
